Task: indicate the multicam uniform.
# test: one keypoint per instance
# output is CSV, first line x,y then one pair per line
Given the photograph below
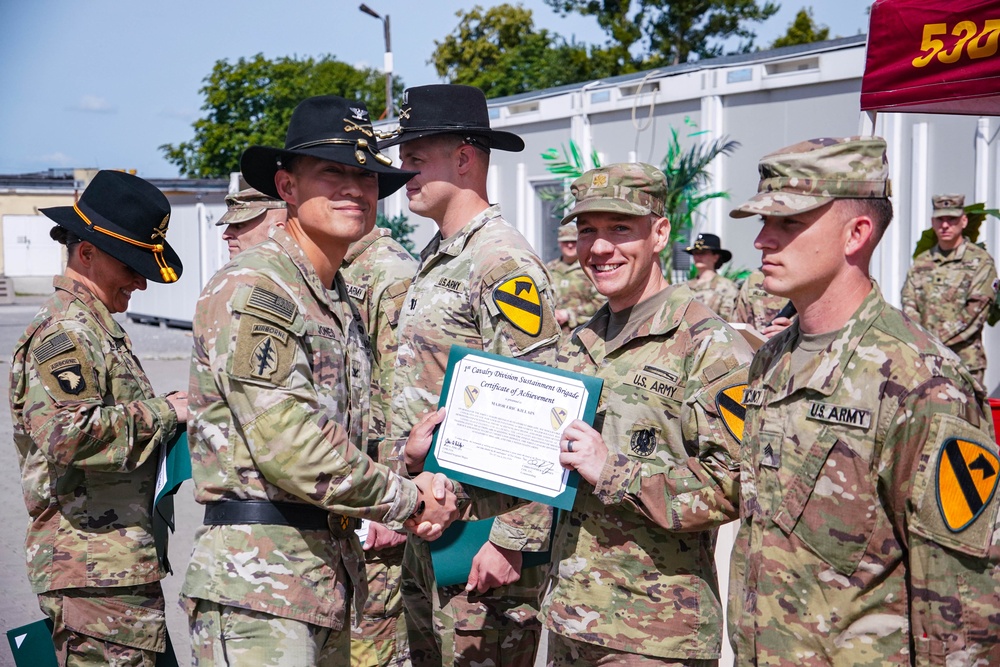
x,y
574,292
279,390
88,429
458,297
869,521
755,306
950,296
633,566
717,292
378,271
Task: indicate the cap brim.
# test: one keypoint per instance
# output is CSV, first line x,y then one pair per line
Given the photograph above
x,y
259,164
498,139
604,205
237,216
948,213
138,259
778,203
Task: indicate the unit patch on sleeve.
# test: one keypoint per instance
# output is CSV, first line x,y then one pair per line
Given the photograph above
x,y
69,374
728,403
263,351
967,475
520,304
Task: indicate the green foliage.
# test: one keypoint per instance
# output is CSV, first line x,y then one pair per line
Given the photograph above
x,y
976,213
803,30
499,51
250,101
654,33
400,228
570,166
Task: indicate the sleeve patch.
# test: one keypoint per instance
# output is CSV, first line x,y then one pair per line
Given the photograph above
x,y
730,406
263,352
69,374
966,481
520,304
499,272
53,347
267,301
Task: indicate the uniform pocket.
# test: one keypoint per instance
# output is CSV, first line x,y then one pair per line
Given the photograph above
x,y
117,622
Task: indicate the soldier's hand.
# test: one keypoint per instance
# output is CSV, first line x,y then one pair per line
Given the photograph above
x,y
583,449
178,401
437,503
777,326
380,537
492,567
419,442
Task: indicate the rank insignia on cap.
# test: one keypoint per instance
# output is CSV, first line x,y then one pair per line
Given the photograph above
x,y
731,408
520,303
966,481
264,359
643,442
471,394
556,417
69,374
599,180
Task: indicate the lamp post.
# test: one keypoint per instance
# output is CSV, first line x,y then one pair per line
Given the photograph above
x,y
388,56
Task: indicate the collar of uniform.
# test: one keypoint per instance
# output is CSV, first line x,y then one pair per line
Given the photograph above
x,y
823,373
956,254
322,293
593,336
355,249
80,292
456,244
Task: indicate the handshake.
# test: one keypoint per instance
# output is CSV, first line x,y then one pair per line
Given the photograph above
x,y
437,504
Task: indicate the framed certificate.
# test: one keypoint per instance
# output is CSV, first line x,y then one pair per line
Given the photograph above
x,y
503,424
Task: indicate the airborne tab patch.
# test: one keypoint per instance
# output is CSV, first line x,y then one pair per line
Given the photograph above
x,y
732,410
53,346
267,301
967,475
520,303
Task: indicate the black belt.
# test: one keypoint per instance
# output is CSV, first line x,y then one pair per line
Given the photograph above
x,y
296,515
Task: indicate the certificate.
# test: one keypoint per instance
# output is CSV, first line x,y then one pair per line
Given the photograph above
x,y
503,424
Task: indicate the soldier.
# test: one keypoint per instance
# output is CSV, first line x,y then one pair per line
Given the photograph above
x,y
280,380
575,294
481,286
950,288
762,311
633,577
89,429
377,271
249,217
869,464
715,291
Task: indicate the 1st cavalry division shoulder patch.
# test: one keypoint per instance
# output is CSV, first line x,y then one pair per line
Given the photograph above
x,y
729,402
519,301
967,475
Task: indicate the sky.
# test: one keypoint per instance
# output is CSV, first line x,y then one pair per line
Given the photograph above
x,y
104,83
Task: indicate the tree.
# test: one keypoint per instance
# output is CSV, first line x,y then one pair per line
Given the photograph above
x,y
250,102
400,227
499,51
669,32
803,30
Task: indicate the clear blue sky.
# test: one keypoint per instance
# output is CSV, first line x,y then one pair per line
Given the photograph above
x,y
103,83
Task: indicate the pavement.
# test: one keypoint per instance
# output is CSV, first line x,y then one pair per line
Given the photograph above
x,y
165,354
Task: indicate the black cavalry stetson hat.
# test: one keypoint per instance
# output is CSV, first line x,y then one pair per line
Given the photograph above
x,y
126,217
330,128
449,109
711,243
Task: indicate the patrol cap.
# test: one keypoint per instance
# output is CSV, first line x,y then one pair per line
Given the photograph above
x,y
948,206
246,205
629,188
809,174
567,232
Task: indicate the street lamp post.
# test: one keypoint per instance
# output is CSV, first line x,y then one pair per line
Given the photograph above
x,y
388,56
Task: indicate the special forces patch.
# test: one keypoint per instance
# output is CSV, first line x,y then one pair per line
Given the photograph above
x,y
643,442
520,303
966,481
264,358
732,410
69,374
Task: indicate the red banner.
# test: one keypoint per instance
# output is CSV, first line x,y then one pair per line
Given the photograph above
x,y
933,56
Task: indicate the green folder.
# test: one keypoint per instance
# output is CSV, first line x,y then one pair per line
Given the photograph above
x,y
175,468
32,646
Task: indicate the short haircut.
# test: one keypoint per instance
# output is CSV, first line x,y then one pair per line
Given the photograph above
x,y
878,209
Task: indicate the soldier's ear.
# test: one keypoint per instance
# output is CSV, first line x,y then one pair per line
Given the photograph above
x,y
661,233
284,182
860,231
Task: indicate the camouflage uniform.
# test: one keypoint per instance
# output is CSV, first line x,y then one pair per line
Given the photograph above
x,y
843,557
280,380
950,296
868,471
88,428
574,292
717,292
633,566
755,306
378,271
452,302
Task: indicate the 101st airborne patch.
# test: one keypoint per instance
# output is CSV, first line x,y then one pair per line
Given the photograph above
x,y
729,402
69,374
520,303
967,475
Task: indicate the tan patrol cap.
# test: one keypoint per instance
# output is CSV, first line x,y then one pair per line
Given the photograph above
x,y
629,188
948,206
567,232
246,205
